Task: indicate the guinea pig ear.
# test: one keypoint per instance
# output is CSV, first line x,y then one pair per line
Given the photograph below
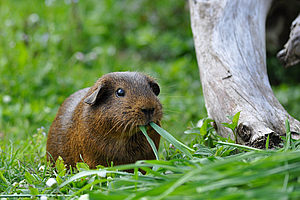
x,y
91,99
155,87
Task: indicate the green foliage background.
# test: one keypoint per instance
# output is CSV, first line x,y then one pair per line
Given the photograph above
x,y
50,49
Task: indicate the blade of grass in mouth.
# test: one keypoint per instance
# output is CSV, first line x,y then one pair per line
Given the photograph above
x,y
182,147
144,131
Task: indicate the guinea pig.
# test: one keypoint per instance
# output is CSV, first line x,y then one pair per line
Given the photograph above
x,y
100,124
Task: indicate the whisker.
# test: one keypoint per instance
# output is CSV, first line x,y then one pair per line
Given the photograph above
x,y
121,124
174,85
116,124
125,128
131,125
175,96
173,111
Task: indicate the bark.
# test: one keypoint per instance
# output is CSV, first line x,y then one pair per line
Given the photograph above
x,y
229,37
290,55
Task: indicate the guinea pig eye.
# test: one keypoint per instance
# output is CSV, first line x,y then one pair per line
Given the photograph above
x,y
120,92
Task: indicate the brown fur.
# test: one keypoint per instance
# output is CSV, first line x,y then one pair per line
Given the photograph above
x,y
103,127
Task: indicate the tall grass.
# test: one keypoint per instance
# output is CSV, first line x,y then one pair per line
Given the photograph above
x,y
223,171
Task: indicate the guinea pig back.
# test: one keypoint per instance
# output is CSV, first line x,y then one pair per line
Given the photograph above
x,y
101,123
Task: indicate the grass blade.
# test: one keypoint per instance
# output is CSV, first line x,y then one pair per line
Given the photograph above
x,y
246,148
143,129
288,135
182,147
268,142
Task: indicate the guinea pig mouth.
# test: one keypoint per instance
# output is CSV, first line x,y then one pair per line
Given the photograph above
x,y
133,127
147,123
147,126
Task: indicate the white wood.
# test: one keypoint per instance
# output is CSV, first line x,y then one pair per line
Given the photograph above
x,y
229,37
290,55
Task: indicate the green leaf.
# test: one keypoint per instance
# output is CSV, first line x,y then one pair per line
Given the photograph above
x,y
203,150
30,179
60,166
234,121
225,124
79,183
33,191
182,147
219,151
144,131
3,178
226,153
236,117
230,117
82,166
203,129
232,126
59,180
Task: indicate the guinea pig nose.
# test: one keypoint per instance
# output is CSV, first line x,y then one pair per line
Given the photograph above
x,y
148,111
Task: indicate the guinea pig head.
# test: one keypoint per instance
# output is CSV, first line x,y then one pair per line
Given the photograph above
x,y
123,101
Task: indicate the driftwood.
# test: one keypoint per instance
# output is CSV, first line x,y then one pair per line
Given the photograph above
x,y
229,37
290,55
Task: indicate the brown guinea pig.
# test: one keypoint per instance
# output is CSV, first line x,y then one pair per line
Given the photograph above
x,y
101,123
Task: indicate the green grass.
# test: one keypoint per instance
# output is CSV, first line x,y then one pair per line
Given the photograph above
x,y
50,49
223,171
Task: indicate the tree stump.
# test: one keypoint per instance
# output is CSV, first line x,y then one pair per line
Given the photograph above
x,y
229,37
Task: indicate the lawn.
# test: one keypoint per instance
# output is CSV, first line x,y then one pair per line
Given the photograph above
x,y
50,49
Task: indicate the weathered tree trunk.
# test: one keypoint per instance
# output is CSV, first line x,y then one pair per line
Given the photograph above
x,y
229,38
290,55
